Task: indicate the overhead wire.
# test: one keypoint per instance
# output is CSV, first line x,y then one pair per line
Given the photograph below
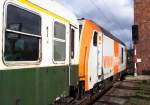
x,y
106,18
121,27
102,13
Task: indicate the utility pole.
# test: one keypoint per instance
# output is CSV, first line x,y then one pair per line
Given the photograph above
x,y
135,61
135,39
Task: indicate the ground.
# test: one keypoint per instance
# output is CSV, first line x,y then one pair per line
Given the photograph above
x,y
131,91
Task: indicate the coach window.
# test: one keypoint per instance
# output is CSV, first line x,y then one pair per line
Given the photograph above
x,y
72,43
22,35
59,42
95,39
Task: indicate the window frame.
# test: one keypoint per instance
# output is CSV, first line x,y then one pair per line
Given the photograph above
x,y
19,63
59,40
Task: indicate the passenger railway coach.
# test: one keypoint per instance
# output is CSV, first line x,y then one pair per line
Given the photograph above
x,y
35,56
47,54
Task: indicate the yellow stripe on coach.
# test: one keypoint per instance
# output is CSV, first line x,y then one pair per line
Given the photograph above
x,y
28,3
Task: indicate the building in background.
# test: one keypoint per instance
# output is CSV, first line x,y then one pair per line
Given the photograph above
x,y
142,19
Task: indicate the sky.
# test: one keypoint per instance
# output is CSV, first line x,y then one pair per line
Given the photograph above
x,y
116,16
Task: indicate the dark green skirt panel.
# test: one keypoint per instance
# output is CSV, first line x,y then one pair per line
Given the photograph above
x,y
74,75
36,86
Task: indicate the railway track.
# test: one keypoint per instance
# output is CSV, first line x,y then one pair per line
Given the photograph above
x,y
92,97
88,98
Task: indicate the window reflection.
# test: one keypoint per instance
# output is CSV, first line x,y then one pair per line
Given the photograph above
x,y
22,35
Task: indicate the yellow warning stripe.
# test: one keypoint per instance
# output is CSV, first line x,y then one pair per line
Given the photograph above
x,y
28,3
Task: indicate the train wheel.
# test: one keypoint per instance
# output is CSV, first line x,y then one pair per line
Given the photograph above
x,y
98,87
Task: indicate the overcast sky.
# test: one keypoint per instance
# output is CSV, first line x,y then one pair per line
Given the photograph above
x,y
115,16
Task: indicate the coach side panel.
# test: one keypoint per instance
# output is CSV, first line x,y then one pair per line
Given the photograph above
x,y
108,56
114,57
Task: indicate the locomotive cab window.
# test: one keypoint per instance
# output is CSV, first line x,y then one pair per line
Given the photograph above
x,y
22,35
95,39
122,55
59,42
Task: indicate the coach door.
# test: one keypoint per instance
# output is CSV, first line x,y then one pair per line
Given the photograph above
x,y
99,55
72,55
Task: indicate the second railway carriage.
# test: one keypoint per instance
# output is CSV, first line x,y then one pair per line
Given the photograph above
x,y
102,56
37,63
